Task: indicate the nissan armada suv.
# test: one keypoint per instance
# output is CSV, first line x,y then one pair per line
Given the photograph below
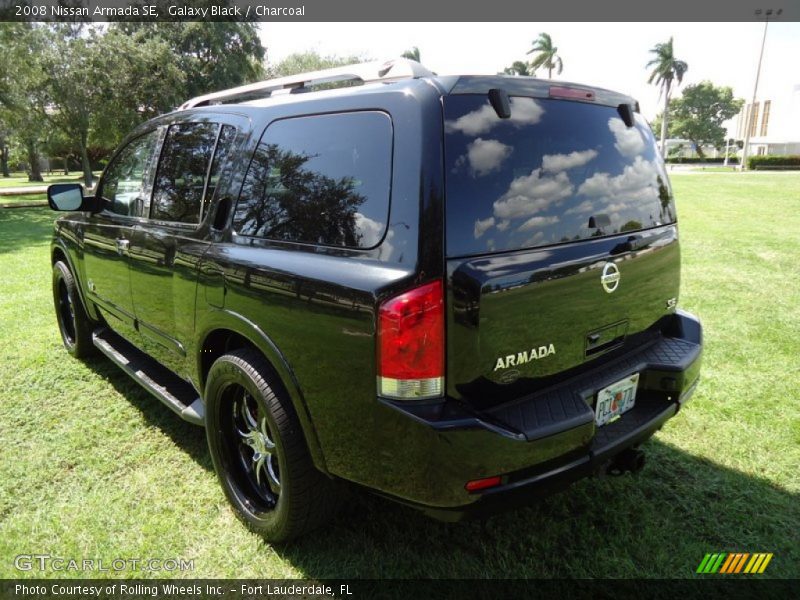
x,y
458,292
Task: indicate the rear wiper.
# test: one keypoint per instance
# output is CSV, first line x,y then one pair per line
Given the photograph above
x,y
626,112
498,98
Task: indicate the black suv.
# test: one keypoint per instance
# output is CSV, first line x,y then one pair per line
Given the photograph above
x,y
458,292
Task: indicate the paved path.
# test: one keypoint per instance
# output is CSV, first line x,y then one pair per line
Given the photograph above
x,y
23,189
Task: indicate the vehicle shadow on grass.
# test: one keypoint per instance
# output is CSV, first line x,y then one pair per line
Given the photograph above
x,y
659,523
21,227
188,437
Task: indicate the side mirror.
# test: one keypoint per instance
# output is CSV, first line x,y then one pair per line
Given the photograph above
x,y
69,197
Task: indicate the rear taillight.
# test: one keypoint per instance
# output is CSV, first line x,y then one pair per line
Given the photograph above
x,y
411,344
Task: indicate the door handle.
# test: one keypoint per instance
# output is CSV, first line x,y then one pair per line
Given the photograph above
x,y
122,246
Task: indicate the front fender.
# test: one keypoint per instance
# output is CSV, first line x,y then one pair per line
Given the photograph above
x,y
59,247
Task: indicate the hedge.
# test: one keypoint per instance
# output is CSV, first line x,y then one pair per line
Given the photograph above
x,y
732,160
773,161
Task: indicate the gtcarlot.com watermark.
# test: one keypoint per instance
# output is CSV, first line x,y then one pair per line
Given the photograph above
x,y
47,562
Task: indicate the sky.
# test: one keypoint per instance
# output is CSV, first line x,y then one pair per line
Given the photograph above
x,y
609,55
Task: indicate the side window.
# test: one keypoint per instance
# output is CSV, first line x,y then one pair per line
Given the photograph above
x,y
321,179
126,182
182,170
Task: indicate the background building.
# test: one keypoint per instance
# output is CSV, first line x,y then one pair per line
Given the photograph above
x,y
775,126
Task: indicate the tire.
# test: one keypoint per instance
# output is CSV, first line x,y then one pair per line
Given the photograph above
x,y
259,451
73,322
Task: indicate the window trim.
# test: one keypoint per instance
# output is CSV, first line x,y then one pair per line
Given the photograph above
x,y
294,243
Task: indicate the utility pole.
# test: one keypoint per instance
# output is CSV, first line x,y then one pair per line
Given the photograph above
x,y
749,114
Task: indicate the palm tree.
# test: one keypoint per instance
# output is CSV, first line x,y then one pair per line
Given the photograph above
x,y
546,56
666,69
519,67
412,54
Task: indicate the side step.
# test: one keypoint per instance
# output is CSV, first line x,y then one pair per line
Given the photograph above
x,y
177,394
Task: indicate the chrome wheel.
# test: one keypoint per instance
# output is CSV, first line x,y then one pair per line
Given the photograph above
x,y
259,450
252,451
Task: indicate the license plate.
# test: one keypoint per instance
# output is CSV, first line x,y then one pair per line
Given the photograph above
x,y
616,399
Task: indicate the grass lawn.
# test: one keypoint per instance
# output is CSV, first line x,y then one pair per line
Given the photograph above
x,y
93,467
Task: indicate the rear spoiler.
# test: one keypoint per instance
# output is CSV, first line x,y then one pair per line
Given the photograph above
x,y
534,88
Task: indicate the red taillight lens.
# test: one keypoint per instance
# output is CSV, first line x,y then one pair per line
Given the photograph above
x,y
483,484
411,344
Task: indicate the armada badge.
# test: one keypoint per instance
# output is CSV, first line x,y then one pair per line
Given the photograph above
x,y
610,277
526,356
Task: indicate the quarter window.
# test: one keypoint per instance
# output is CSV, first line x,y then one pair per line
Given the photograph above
x,y
322,179
181,177
127,179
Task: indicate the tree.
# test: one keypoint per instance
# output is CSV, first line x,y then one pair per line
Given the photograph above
x,y
546,55
519,67
666,70
213,56
699,113
412,54
288,201
4,153
303,62
137,80
92,85
22,91
72,97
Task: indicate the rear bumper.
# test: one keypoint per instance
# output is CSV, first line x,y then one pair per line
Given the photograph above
x,y
541,443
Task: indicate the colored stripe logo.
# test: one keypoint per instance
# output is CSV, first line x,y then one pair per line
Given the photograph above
x,y
734,562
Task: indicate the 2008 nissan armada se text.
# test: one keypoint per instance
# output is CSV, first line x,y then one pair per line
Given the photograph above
x,y
458,292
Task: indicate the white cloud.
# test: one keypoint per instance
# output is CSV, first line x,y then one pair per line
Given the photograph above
x,y
503,225
532,193
564,162
371,232
536,222
486,156
636,183
629,141
617,206
481,226
534,239
583,207
524,111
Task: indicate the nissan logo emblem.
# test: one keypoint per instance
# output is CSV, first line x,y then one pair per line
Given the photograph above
x,y
610,277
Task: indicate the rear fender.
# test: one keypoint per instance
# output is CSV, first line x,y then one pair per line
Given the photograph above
x,y
229,320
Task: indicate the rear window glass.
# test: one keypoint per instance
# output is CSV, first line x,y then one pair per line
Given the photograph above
x,y
555,171
322,179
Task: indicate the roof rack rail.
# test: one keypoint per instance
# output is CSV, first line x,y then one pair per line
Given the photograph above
x,y
399,68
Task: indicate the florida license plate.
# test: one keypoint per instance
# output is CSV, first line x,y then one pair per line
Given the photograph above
x,y
616,399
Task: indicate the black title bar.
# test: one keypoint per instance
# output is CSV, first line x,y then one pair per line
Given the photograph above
x,y
404,10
